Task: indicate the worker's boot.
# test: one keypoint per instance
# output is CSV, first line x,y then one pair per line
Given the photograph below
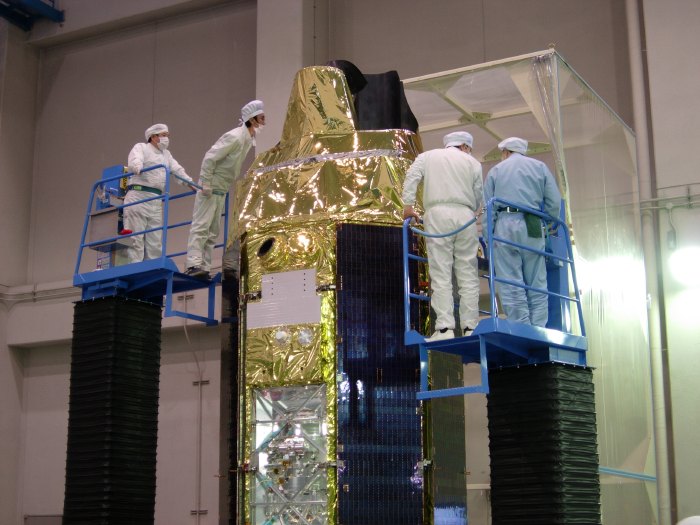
x,y
440,335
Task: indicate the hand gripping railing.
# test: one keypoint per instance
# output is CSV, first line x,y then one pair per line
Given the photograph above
x,y
407,255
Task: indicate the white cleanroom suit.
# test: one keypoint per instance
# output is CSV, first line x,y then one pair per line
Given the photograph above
x,y
526,181
143,186
220,167
452,193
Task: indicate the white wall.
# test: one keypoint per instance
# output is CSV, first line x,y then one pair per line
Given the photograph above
x,y
97,97
18,75
84,18
46,372
674,84
44,426
11,386
177,426
94,99
291,35
417,38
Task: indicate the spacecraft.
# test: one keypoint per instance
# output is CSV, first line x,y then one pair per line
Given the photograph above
x,y
330,428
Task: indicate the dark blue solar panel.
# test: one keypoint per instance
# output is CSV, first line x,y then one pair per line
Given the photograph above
x,y
379,428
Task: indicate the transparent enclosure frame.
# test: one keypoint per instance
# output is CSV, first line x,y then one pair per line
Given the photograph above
x,y
592,153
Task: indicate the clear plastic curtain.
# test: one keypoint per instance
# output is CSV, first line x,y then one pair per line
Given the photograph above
x,y
547,82
538,82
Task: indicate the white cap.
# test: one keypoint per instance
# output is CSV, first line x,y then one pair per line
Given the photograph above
x,y
457,138
692,520
155,129
514,144
252,109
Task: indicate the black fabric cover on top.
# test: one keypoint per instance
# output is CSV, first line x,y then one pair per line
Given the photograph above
x,y
380,100
113,413
542,441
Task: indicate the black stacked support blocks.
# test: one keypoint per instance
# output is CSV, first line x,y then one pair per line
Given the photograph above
x,y
544,459
113,413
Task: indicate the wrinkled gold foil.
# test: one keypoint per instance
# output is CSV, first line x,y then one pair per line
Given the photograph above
x,y
365,186
320,100
269,364
292,248
328,371
322,172
323,169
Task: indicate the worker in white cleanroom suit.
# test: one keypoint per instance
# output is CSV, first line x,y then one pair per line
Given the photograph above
x,y
523,181
220,167
452,193
146,185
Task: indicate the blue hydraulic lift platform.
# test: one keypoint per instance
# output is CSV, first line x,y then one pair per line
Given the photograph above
x,y
153,280
497,342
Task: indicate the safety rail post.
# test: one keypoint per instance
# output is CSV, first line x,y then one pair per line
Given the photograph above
x,y
81,246
408,295
406,282
91,201
577,292
489,251
166,210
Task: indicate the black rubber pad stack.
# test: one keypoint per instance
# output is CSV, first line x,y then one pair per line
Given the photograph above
x,y
542,434
113,413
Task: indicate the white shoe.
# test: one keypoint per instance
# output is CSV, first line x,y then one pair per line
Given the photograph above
x,y
440,335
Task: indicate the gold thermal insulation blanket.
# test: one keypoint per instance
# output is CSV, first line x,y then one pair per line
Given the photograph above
x,y
323,169
322,172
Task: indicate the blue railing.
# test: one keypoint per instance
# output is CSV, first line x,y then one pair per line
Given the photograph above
x,y
490,238
165,197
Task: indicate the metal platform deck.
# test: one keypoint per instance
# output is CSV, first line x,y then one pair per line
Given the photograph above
x,y
498,343
154,280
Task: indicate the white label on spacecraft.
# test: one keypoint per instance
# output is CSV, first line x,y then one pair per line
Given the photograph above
x,y
287,298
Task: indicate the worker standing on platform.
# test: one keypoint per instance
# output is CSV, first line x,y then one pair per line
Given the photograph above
x,y
452,193
527,181
220,167
147,215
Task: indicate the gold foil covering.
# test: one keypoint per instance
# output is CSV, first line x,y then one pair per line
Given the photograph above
x,y
321,173
323,169
265,363
271,363
291,248
362,184
319,101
